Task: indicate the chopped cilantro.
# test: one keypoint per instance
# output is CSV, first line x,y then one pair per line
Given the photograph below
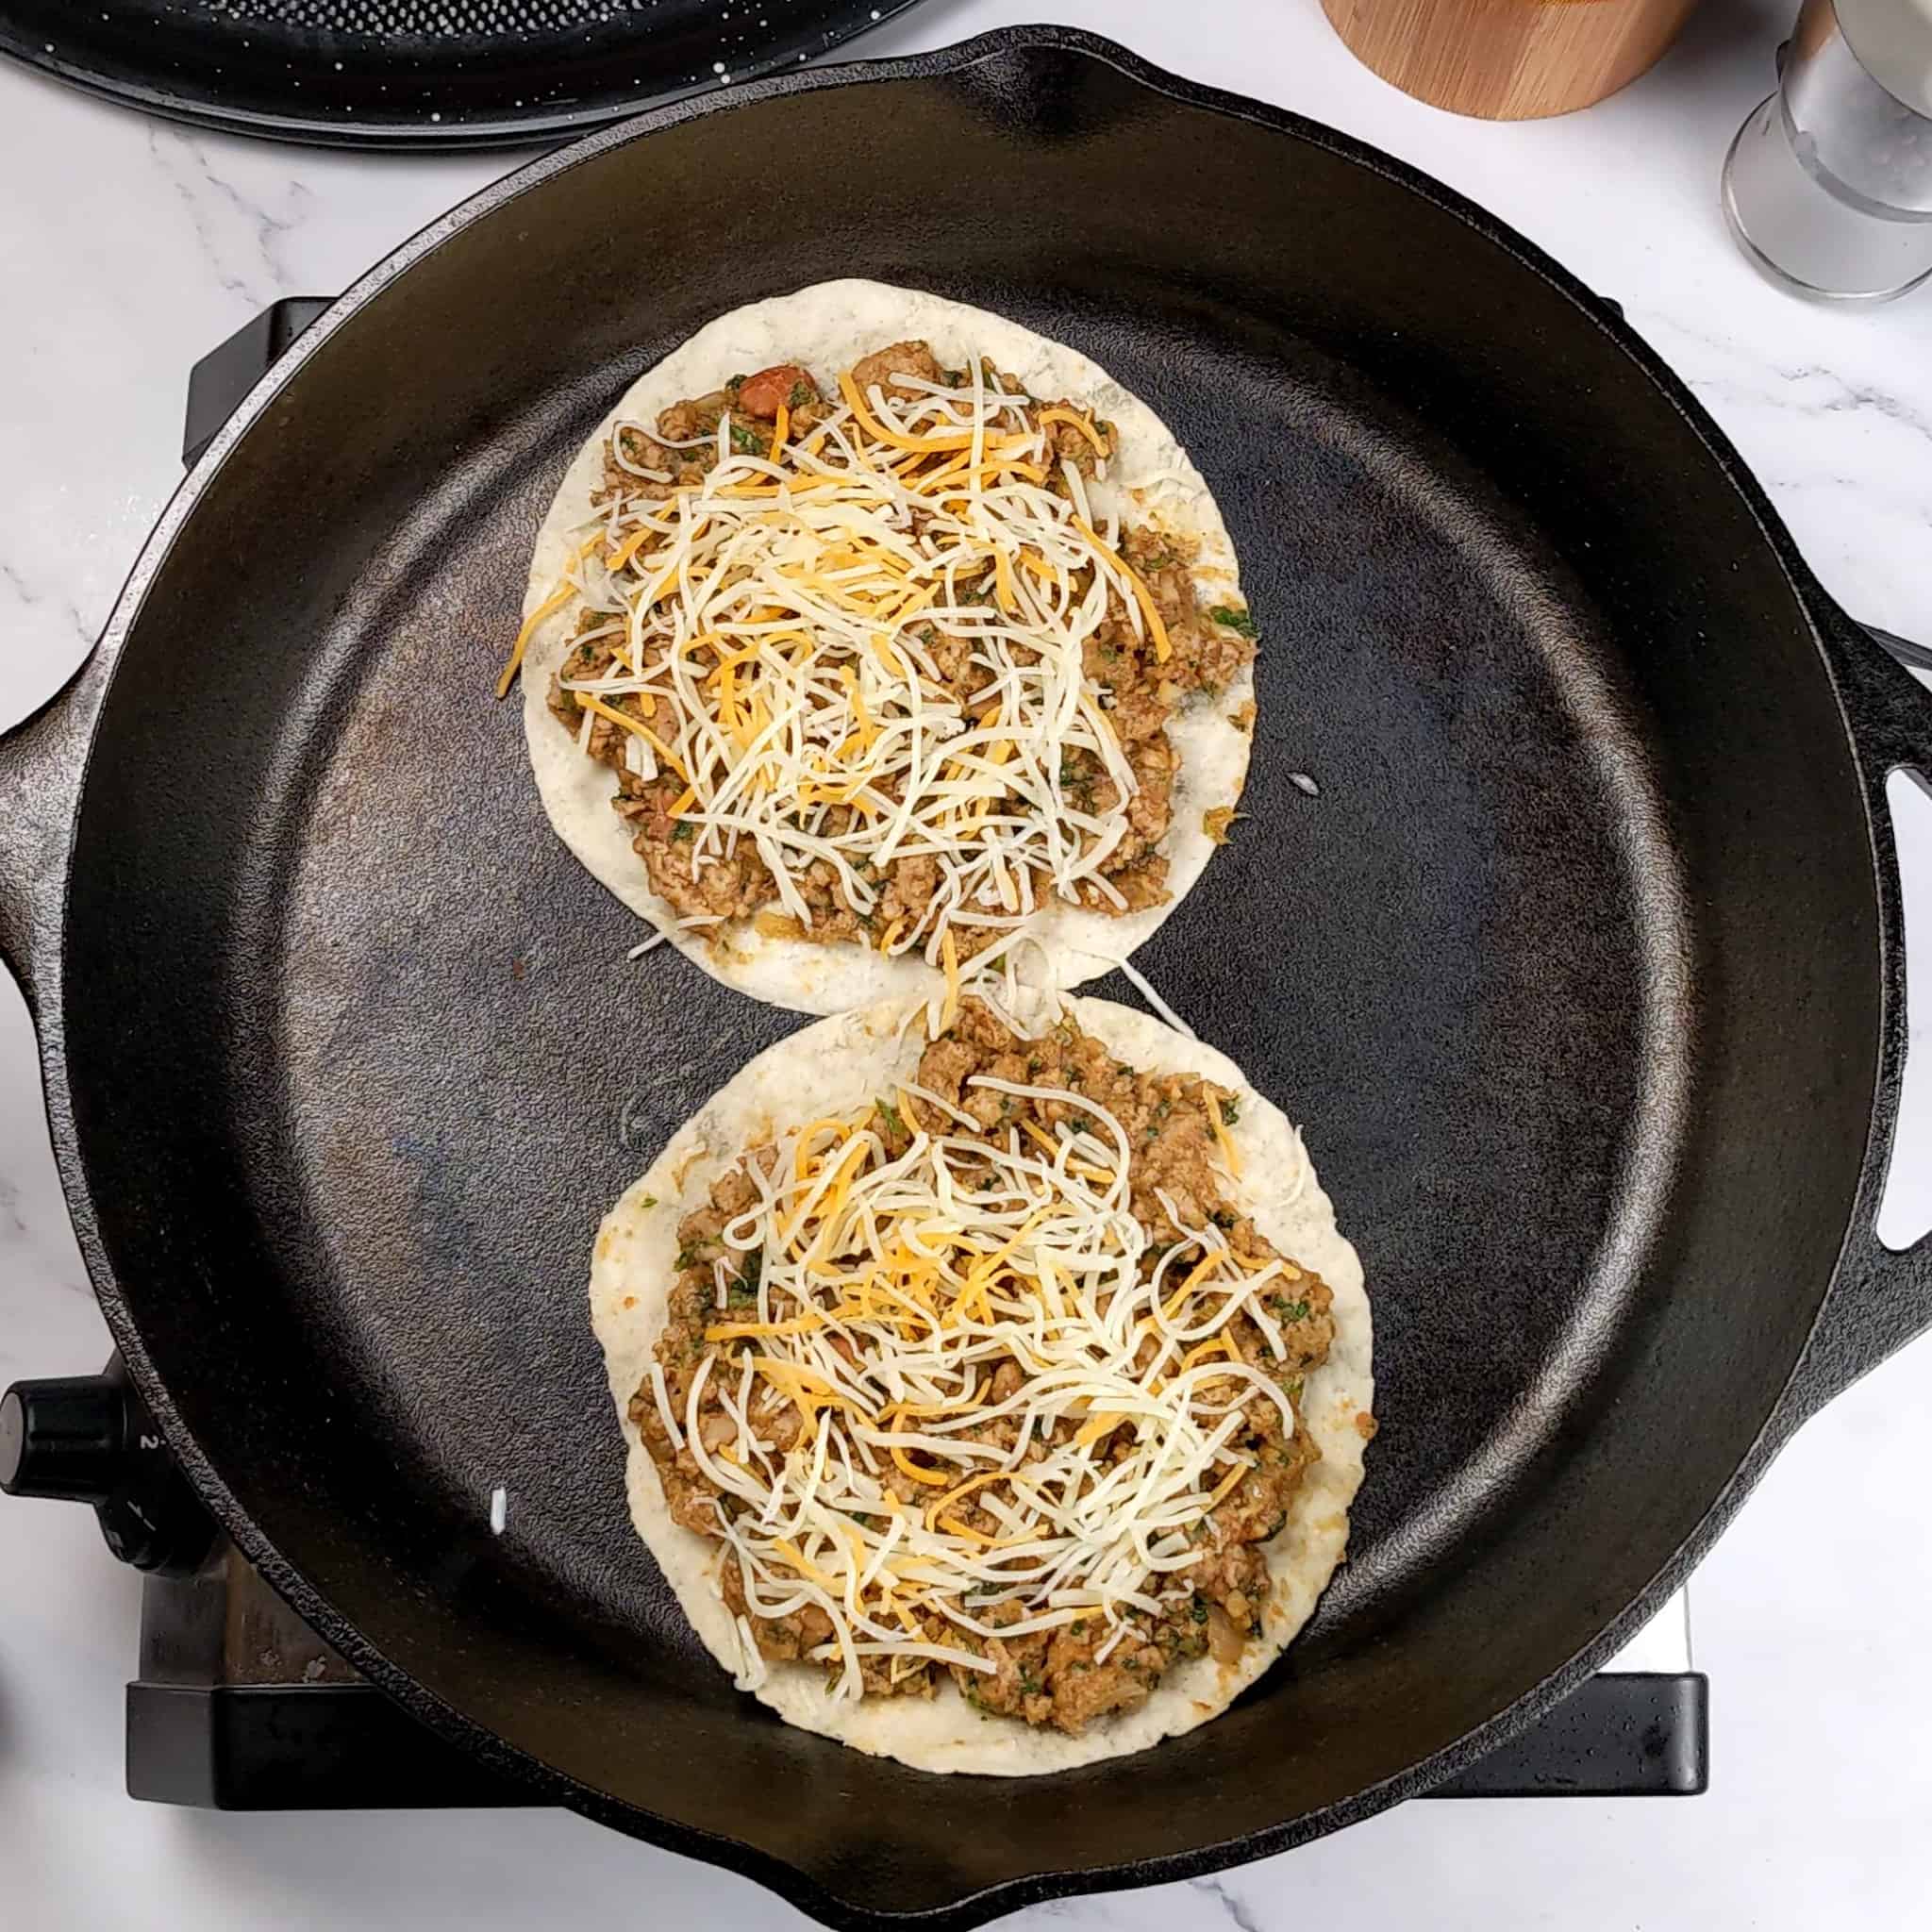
x,y
1029,1686
649,1202
747,442
1079,1123
1230,1113
743,1291
1199,1613
1078,1626
889,1116
1235,620
1224,1218
1288,1310
681,832
734,383
688,1255
801,394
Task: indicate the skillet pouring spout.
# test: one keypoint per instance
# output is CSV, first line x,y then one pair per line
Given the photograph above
x,y
41,763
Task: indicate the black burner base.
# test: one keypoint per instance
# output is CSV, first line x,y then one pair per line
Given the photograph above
x,y
240,1707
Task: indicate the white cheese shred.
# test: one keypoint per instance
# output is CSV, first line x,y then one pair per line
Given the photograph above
x,y
891,1293
666,1414
1144,986
796,630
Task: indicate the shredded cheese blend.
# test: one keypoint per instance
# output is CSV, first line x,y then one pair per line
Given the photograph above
x,y
889,1292
782,626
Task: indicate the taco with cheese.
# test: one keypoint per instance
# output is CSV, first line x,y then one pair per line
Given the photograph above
x,y
993,1404
873,638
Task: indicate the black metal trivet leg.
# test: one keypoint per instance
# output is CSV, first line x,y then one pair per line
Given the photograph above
x,y
1626,1734
297,1747
219,381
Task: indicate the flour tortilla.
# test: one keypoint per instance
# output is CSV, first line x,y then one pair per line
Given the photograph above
x,y
826,328
836,1067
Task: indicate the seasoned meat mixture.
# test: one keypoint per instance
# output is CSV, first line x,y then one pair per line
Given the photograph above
x,y
1077,1667
899,904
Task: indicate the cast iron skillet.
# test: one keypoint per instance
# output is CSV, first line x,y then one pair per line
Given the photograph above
x,y
1584,968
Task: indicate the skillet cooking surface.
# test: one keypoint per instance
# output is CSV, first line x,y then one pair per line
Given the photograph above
x,y
1530,967
454,1071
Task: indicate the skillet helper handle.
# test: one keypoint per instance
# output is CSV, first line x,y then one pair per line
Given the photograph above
x,y
1881,1298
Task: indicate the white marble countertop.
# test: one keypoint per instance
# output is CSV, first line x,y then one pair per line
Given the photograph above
x,y
131,247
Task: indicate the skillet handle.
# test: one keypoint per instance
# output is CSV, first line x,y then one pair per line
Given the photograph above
x,y
1880,1298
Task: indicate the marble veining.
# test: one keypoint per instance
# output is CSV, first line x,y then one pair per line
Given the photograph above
x,y
242,243
35,605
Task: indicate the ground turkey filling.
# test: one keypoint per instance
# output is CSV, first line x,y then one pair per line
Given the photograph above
x,y
1044,1678
1209,647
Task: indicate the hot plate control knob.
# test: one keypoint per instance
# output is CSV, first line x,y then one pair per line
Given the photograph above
x,y
63,1439
89,1439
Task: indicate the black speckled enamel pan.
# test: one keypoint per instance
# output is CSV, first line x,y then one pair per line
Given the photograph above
x,y
1584,967
415,76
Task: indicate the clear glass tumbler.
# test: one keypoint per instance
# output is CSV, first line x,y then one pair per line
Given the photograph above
x,y
1828,184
